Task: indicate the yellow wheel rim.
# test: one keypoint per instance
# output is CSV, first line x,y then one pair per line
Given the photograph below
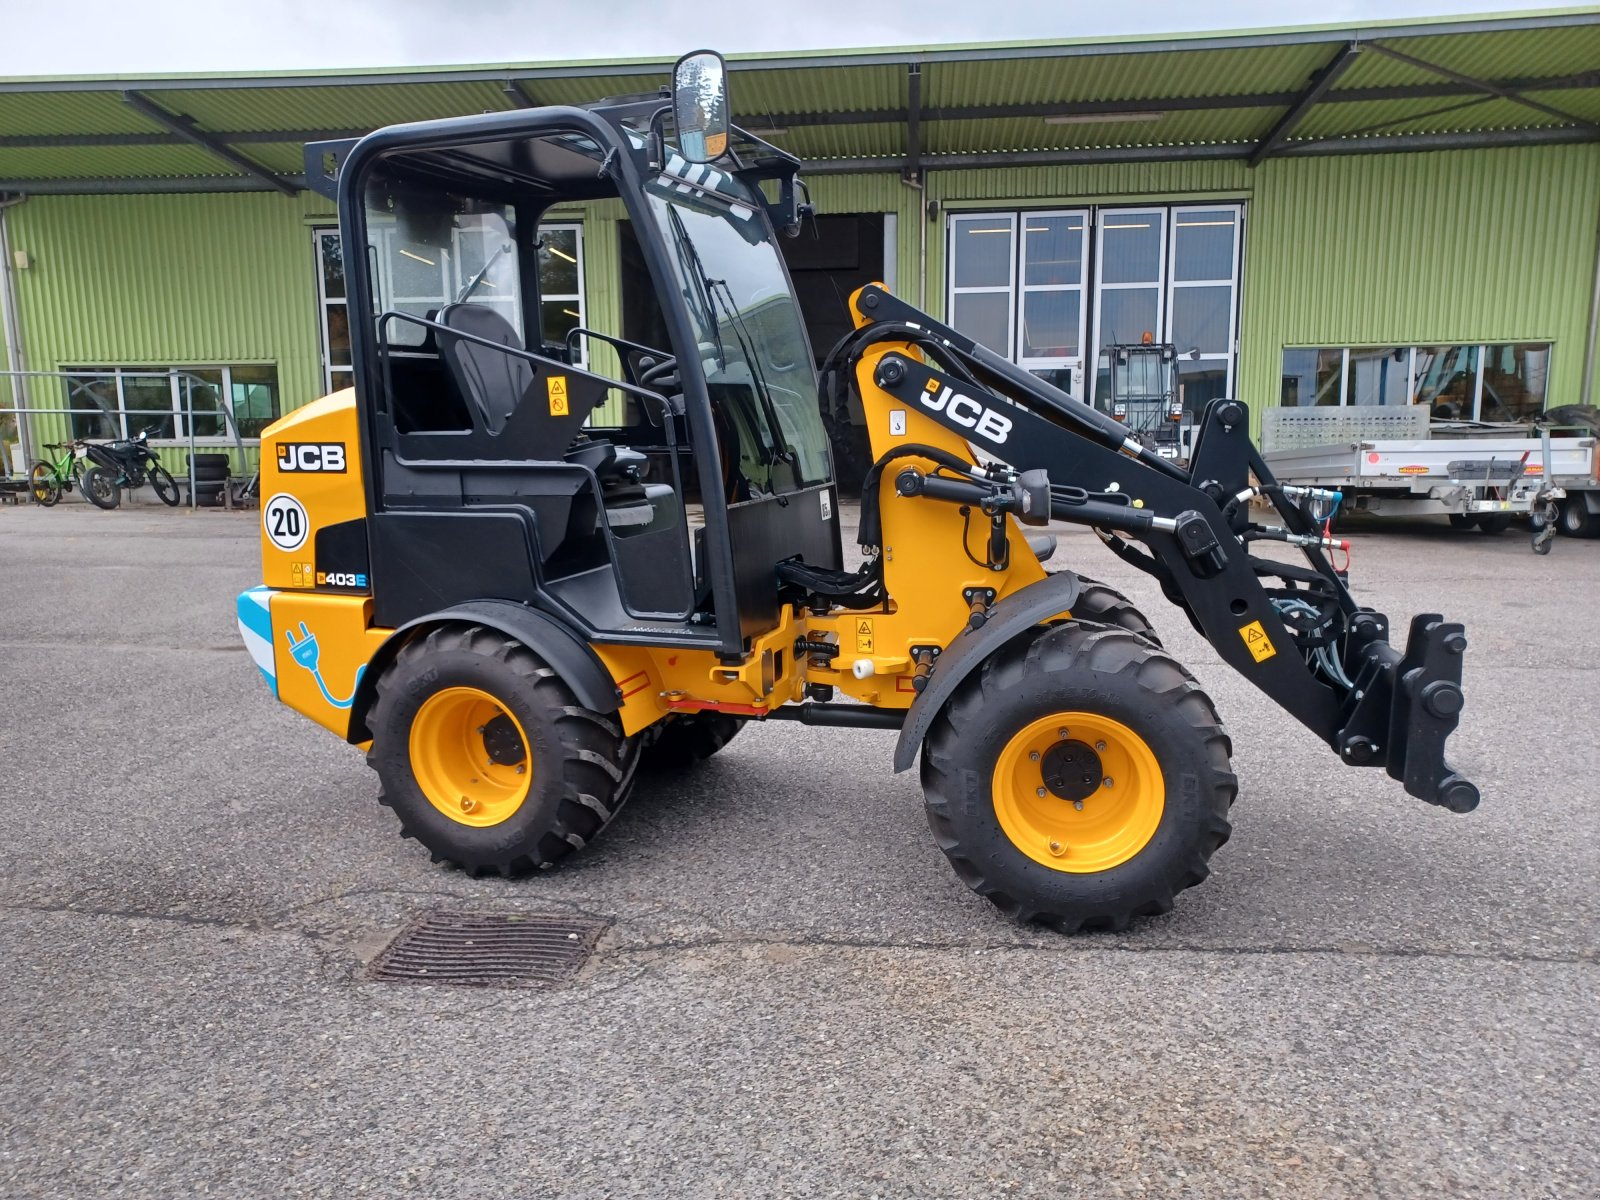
x,y
1078,792
470,756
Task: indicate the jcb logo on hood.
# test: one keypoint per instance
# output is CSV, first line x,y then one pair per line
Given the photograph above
x,y
311,456
964,410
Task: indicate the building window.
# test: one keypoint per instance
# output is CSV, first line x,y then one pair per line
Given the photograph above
x,y
160,401
1027,285
421,280
1503,382
561,283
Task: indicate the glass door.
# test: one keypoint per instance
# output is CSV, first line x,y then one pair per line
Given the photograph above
x,y
983,263
1203,270
1051,330
1130,283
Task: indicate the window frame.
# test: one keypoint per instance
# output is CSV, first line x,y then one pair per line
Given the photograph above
x,y
174,376
1009,288
1052,362
1233,282
324,303
583,284
1411,349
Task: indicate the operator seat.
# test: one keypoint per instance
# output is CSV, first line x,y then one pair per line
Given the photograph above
x,y
492,381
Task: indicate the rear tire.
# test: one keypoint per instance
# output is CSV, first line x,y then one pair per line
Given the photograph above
x,y
99,488
44,485
685,739
428,742
1575,520
1137,841
164,485
1462,520
1495,523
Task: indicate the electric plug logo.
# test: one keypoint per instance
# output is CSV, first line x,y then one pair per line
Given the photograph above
x,y
306,653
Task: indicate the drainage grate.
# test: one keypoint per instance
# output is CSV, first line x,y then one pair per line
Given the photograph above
x,y
489,949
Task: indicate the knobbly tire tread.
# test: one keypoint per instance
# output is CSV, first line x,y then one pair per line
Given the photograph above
x,y
1098,668
1102,604
681,741
582,762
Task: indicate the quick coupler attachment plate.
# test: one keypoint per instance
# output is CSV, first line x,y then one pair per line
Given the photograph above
x,y
1406,708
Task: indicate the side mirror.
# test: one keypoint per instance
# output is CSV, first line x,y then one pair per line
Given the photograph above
x,y
700,105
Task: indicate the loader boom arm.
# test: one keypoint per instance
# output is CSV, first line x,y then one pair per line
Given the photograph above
x,y
1337,674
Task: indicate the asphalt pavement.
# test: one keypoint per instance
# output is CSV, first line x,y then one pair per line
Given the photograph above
x,y
796,996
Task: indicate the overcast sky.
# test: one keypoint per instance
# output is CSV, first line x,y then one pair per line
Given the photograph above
x,y
77,37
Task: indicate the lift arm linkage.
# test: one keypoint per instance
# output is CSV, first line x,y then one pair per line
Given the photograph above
x,y
1384,708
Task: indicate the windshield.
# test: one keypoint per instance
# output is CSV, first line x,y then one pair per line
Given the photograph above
x,y
753,344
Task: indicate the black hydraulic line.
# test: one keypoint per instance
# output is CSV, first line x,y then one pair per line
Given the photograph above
x,y
844,716
871,527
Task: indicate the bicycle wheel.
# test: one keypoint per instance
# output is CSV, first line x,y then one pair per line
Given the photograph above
x,y
99,487
165,486
44,485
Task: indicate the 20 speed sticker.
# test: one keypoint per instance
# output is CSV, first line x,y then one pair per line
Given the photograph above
x,y
284,519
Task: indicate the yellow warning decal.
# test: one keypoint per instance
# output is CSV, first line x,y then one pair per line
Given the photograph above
x,y
556,386
1257,641
864,635
931,386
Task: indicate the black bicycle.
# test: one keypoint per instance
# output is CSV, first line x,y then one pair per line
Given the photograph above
x,y
132,463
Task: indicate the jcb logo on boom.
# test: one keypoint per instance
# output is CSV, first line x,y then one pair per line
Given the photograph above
x,y
311,456
964,410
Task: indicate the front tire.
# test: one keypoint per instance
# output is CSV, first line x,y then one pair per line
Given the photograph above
x,y
1088,853
1102,604
165,486
487,756
43,484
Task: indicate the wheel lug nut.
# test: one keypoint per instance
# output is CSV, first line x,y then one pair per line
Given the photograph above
x,y
481,728
1107,781
1057,849
1034,756
521,769
468,804
1078,804
1100,746
1041,793
1062,732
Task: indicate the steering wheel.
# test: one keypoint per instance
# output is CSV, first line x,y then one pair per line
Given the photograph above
x,y
657,372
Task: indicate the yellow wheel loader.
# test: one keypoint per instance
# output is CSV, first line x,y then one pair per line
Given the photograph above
x,y
482,563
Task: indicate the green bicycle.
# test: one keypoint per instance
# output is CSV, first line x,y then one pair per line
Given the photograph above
x,y
48,480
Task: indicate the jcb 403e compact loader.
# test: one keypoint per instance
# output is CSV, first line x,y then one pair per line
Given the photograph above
x,y
480,565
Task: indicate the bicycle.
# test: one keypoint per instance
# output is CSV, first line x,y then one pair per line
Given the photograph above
x,y
47,479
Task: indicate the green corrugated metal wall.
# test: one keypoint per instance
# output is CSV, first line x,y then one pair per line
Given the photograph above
x,y
1488,245
166,281
1417,248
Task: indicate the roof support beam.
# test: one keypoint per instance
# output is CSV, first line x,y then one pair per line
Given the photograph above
x,y
1494,89
186,129
1320,84
1394,143
912,172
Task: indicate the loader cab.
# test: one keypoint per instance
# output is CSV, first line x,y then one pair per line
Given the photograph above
x,y
512,453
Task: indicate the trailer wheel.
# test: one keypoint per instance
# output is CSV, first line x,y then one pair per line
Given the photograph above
x,y
1462,520
487,756
684,739
1079,778
1575,519
1494,522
